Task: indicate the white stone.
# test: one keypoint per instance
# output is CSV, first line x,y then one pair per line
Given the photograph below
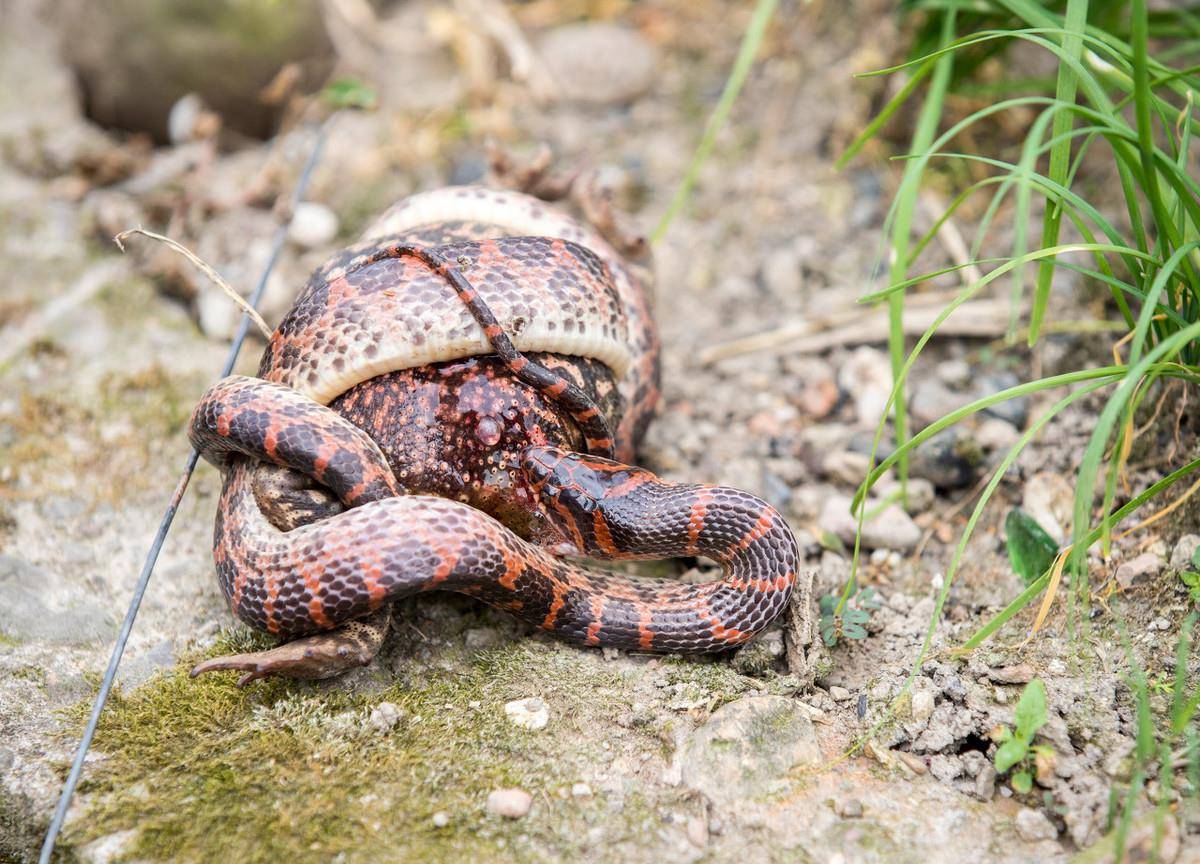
x,y
441,819
531,713
183,118
922,705
890,529
1144,566
384,717
867,377
697,832
1185,547
1033,825
581,790
312,225
995,434
112,847
509,803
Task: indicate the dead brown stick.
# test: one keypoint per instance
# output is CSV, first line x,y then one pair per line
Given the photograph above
x,y
204,268
984,319
524,61
951,239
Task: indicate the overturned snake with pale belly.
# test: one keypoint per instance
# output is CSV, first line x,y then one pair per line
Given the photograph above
x,y
435,413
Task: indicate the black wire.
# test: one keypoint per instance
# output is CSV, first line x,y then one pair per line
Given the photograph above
x,y
164,526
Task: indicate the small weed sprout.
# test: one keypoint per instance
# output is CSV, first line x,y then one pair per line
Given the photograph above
x,y
1191,578
851,622
1017,750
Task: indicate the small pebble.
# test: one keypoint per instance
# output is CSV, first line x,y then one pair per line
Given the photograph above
x,y
697,832
781,273
441,819
922,705
1143,567
509,803
531,713
183,118
995,434
581,790
384,717
945,768
839,694
954,372
312,225
1185,548
599,63
1020,673
1032,825
867,377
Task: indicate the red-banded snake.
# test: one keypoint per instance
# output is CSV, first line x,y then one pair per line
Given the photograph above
x,y
434,413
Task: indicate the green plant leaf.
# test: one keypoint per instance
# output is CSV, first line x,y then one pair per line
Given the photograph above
x,y
1022,782
349,93
1196,558
1031,709
854,631
1010,753
829,631
856,616
1030,549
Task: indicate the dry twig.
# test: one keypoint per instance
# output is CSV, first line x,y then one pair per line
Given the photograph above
x,y
974,319
204,268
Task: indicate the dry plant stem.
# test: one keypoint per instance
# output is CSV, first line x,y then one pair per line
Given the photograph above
x,y
204,268
951,239
975,319
526,64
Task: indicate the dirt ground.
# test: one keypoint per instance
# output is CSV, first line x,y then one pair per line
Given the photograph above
x,y
738,758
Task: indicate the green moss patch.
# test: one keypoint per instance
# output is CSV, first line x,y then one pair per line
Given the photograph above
x,y
294,772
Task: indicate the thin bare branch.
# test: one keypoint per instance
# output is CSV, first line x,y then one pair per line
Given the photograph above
x,y
204,268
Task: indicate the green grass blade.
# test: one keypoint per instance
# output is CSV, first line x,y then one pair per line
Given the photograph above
x,y
894,104
751,42
906,201
1060,157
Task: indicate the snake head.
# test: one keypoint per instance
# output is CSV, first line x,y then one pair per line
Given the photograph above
x,y
544,469
566,481
578,492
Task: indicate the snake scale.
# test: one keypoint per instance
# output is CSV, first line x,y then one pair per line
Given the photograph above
x,y
443,408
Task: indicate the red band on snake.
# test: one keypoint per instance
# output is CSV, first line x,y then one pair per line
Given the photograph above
x,y
373,334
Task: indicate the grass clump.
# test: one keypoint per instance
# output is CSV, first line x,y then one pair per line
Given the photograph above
x,y
1118,109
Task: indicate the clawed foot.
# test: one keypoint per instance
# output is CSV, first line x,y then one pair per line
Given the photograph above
x,y
595,201
584,189
323,655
